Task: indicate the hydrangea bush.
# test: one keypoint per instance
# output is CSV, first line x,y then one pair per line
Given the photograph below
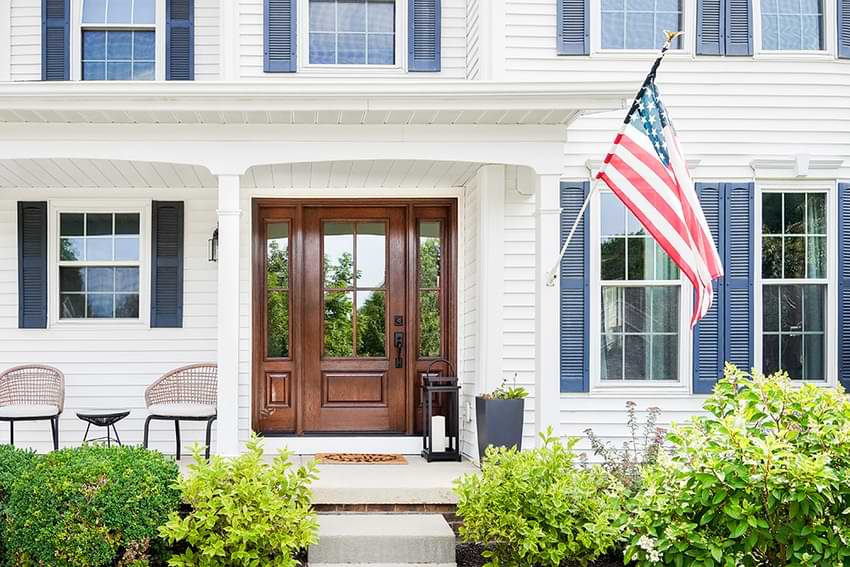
x,y
762,480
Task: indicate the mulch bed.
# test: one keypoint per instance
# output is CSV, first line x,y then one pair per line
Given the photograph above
x,y
469,555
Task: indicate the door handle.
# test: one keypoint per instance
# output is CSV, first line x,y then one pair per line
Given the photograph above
x,y
398,342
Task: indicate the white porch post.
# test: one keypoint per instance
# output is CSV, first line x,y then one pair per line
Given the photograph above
x,y
547,391
227,441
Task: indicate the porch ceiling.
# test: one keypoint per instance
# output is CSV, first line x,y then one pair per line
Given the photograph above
x,y
326,102
106,174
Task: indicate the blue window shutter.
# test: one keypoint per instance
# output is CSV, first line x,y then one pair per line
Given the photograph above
x,y
32,265
55,40
739,27
180,40
844,284
708,342
844,29
711,28
424,35
738,265
575,291
279,36
167,264
573,28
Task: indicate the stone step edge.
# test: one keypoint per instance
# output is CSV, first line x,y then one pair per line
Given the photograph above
x,y
381,564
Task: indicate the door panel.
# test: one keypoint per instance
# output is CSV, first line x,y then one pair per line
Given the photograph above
x,y
355,274
352,302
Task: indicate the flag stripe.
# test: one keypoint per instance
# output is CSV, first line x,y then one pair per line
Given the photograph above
x,y
647,172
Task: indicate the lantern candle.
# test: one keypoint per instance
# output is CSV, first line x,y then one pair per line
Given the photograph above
x,y
438,433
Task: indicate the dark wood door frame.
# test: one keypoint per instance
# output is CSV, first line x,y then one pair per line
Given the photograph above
x,y
415,210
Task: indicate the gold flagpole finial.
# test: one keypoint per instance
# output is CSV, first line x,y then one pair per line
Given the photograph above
x,y
671,35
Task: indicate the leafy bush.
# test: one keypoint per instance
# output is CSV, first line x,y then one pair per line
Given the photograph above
x,y
90,506
763,480
13,463
538,508
640,450
244,511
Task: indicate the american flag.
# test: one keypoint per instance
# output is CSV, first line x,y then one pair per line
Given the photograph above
x,y
646,170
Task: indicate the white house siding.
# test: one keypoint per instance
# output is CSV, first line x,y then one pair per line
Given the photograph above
x,y
25,40
251,44
106,366
207,40
518,348
470,331
727,110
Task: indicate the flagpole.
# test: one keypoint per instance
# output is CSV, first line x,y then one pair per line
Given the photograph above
x,y
552,275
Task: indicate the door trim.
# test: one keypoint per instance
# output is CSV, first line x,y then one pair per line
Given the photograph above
x,y
296,322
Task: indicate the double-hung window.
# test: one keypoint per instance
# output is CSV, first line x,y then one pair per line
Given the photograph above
x,y
118,40
641,290
792,25
639,24
352,32
99,265
794,283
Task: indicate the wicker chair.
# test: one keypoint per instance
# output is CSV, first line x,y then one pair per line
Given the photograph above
x,y
32,393
185,394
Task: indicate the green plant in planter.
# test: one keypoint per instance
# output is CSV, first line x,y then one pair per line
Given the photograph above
x,y
507,392
538,508
762,480
90,506
245,512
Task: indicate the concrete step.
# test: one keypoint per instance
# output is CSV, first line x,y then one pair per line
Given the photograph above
x,y
379,540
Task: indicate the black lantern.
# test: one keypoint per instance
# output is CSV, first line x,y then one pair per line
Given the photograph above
x,y
440,439
212,244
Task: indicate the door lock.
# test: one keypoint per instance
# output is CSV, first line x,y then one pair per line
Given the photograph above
x,y
398,342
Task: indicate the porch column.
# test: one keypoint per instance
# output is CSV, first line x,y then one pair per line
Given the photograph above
x,y
547,390
227,441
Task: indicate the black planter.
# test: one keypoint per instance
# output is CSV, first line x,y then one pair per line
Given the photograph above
x,y
499,423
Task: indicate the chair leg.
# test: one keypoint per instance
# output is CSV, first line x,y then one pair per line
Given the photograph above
x,y
147,430
54,426
209,436
12,432
177,435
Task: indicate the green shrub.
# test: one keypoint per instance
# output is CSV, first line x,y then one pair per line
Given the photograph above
x,y
244,511
640,450
13,464
538,508
86,507
762,480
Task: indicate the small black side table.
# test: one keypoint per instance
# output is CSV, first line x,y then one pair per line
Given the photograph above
x,y
103,418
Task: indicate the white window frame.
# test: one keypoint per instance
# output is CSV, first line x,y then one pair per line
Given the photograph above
x,y
829,37
55,208
682,385
303,39
831,323
77,28
687,40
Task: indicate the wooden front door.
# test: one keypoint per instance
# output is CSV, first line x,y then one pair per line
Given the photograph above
x,y
352,302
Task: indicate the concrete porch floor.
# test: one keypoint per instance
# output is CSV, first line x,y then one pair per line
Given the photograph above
x,y
417,482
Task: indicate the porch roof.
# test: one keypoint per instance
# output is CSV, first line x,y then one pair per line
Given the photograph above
x,y
310,101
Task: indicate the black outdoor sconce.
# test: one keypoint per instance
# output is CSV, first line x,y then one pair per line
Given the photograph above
x,y
440,439
212,245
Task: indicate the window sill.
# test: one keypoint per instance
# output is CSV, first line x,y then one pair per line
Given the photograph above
x,y
360,70
111,324
632,389
638,53
795,55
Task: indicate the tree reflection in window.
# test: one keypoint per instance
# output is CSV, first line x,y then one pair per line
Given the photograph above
x,y
430,323
277,287
354,267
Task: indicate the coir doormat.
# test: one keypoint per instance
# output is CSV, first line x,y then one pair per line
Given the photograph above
x,y
360,459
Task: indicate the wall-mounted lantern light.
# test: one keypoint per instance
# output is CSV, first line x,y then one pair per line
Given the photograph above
x,y
213,246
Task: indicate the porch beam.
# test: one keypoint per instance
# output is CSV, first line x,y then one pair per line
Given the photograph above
x,y
547,392
227,441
